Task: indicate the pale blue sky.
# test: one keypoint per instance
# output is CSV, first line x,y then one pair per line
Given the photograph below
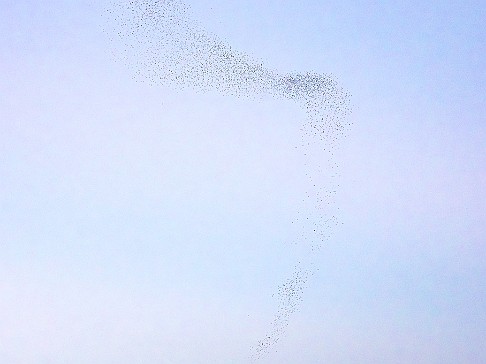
x,y
143,224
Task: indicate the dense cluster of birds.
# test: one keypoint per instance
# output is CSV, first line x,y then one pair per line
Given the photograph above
x,y
162,44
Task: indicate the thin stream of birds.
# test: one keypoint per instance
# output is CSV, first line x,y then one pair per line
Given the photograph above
x,y
162,45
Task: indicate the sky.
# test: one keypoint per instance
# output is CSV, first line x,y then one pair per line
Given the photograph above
x,y
144,223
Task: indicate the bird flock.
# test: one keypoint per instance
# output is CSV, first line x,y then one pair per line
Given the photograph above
x,y
163,45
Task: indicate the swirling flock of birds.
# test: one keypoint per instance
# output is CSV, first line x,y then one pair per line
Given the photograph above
x,y
163,45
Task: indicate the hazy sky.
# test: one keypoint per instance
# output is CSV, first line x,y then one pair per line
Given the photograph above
x,y
142,224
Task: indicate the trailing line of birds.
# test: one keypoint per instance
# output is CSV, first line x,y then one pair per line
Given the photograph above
x,y
162,45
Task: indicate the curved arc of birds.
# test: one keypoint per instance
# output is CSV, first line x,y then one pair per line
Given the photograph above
x,y
163,45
